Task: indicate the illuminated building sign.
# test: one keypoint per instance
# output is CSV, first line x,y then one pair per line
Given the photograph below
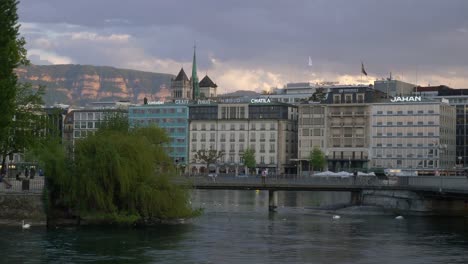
x,y
406,99
156,103
260,100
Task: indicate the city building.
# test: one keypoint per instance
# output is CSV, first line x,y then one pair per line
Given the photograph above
x,y
171,117
393,87
312,131
413,134
348,133
207,88
459,99
268,128
80,123
184,88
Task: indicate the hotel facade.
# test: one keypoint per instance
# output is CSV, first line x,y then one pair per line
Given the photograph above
x,y
270,129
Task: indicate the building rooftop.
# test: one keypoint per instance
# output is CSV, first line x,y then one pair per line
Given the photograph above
x,y
207,82
181,76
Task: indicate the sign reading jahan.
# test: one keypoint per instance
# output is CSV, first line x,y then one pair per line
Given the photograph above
x,y
406,99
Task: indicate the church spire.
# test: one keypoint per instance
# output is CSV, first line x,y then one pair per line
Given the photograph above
x,y
195,87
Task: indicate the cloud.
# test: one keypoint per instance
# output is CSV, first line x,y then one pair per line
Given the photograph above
x,y
45,57
92,36
254,44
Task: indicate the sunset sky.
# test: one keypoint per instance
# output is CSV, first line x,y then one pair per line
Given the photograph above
x,y
256,45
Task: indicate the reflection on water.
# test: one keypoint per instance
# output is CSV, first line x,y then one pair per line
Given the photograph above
x,y
237,228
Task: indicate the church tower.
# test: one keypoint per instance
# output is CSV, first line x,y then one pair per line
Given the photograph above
x,y
181,87
194,79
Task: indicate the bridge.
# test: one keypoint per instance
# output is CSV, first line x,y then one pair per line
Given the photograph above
x,y
440,188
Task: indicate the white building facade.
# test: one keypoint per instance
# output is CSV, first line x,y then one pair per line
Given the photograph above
x,y
270,129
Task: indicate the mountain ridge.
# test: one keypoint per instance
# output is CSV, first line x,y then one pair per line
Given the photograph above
x,y
76,84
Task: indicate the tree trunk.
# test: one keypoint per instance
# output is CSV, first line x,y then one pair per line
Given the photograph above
x,y
3,170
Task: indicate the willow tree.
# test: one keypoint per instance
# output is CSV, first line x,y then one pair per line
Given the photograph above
x,y
118,175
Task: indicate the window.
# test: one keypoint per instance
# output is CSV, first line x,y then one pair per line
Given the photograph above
x,y
348,98
389,112
336,99
360,98
272,148
379,112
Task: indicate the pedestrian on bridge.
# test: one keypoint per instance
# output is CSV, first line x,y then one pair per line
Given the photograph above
x,y
264,175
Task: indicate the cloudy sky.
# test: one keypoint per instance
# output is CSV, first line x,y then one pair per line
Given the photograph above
x,y
257,44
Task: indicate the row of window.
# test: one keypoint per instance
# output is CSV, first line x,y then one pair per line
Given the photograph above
x,y
89,116
409,123
142,111
408,134
409,112
262,126
159,121
232,147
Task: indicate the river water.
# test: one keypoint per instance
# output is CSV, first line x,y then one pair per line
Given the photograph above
x,y
237,228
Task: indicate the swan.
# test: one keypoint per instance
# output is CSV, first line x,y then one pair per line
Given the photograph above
x,y
399,217
25,226
336,217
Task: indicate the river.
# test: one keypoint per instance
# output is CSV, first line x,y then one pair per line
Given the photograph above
x,y
237,228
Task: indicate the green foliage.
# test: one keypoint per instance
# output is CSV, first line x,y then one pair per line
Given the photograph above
x,y
317,159
12,55
249,158
28,124
117,174
208,156
319,95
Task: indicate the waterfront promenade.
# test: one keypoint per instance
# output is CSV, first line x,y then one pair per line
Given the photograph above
x,y
35,185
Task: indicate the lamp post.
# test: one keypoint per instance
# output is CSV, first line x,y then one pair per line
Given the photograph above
x,y
441,148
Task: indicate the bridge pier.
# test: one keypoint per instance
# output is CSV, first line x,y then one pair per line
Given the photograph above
x,y
272,200
356,197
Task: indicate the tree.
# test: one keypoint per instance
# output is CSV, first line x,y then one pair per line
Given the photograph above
x,y
28,125
208,157
16,103
319,95
249,159
12,55
317,159
117,175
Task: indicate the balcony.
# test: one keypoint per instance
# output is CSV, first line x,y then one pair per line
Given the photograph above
x,y
232,140
252,140
223,140
272,140
262,140
241,140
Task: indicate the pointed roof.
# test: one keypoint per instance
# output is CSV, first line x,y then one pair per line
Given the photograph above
x,y
207,82
181,76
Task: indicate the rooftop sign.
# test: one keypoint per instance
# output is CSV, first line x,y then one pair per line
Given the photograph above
x,y
260,100
406,99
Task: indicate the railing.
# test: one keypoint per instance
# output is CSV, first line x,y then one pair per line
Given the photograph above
x,y
12,185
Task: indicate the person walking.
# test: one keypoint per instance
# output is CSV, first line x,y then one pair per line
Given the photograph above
x,y
264,174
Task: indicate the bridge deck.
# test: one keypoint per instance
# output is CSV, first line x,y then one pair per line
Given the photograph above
x,y
455,185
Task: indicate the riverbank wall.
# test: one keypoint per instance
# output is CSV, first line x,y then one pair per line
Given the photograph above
x,y
16,207
409,202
